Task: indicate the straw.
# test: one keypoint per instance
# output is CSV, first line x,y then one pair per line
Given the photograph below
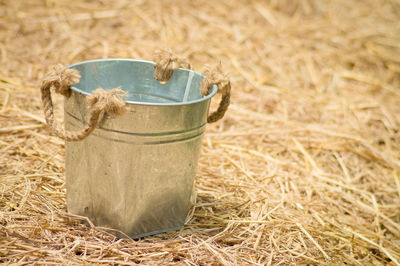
x,y
303,169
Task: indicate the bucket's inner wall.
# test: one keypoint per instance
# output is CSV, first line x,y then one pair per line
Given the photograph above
x,y
136,78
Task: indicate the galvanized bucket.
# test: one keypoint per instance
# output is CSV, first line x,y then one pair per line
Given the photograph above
x,y
135,172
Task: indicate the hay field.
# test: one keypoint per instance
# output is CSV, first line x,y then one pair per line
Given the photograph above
x,y
303,169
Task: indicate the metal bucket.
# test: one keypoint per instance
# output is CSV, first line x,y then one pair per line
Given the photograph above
x,y
135,172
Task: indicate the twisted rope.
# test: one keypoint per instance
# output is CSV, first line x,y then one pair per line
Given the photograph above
x,y
215,76
99,101
166,63
111,102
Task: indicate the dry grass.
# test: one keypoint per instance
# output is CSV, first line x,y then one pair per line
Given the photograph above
x,y
304,169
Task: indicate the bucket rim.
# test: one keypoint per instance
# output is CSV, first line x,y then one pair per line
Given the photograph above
x,y
209,96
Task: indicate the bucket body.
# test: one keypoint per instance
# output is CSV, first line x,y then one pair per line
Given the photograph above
x,y
135,172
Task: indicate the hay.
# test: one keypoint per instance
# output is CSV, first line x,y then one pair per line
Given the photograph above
x,y
304,169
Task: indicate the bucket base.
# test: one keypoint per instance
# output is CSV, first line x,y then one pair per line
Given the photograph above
x,y
135,237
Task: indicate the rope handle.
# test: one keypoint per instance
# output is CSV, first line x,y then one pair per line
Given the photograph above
x,y
215,76
99,102
167,62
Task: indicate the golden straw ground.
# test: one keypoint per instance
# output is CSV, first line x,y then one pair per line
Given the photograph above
x,y
304,168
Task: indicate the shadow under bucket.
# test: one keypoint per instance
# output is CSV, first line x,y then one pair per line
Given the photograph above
x,y
135,172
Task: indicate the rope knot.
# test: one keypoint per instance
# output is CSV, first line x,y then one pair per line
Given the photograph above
x,y
214,75
62,78
109,101
166,63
